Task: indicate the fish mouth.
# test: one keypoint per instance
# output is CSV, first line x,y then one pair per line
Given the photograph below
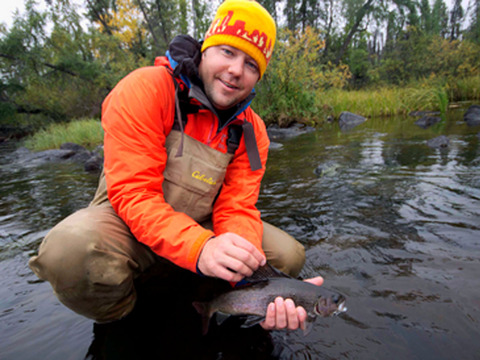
x,y
330,306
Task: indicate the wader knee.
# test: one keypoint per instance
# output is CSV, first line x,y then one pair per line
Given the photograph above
x,y
282,250
88,258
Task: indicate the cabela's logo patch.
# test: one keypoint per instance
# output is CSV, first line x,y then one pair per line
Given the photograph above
x,y
202,177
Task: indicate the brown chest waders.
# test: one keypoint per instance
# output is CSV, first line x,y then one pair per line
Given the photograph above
x,y
91,258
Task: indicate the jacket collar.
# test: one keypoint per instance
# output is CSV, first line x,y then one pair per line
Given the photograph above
x,y
184,57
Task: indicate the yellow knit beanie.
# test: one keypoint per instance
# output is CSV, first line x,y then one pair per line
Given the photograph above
x,y
245,25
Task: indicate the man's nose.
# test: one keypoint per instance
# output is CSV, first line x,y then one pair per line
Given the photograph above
x,y
236,66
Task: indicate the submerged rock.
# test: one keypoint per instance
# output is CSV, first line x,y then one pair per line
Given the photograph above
x,y
424,113
80,155
92,160
327,169
472,115
275,146
439,142
275,132
426,121
348,120
94,163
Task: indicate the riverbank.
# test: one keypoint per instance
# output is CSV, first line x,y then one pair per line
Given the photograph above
x,y
314,107
85,132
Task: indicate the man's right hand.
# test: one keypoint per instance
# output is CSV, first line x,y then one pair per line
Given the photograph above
x,y
229,257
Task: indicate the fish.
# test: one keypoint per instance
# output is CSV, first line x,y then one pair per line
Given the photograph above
x,y
250,300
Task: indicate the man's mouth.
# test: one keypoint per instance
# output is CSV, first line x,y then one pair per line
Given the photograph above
x,y
229,85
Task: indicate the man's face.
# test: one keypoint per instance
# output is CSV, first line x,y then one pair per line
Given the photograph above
x,y
228,75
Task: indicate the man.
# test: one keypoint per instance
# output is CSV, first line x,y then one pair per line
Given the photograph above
x,y
184,158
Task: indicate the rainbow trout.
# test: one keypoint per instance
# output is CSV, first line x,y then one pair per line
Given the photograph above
x,y
267,283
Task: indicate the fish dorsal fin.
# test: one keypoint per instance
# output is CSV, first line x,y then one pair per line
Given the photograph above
x,y
266,272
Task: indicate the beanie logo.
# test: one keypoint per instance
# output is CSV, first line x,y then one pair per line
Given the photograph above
x,y
221,27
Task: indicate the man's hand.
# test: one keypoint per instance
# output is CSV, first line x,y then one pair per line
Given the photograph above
x,y
283,314
230,257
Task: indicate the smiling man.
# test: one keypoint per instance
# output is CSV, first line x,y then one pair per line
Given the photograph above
x,y
184,158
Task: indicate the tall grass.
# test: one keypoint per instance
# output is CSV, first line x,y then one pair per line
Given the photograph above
x,y
383,101
85,132
464,89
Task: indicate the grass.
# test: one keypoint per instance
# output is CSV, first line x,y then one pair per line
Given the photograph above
x,y
429,94
85,132
464,89
385,101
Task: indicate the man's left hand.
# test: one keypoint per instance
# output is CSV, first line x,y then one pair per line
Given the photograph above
x,y
283,314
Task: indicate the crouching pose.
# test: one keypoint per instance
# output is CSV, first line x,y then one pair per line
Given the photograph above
x,y
184,158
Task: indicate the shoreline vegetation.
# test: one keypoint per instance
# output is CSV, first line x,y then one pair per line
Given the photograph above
x,y
376,103
85,132
378,59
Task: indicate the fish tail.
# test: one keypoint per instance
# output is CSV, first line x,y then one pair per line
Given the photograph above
x,y
204,311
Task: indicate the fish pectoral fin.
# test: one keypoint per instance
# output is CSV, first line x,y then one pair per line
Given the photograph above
x,y
252,320
220,317
308,325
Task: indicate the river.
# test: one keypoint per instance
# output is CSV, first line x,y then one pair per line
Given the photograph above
x,y
391,223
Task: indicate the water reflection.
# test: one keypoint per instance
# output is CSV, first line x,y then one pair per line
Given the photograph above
x,y
391,223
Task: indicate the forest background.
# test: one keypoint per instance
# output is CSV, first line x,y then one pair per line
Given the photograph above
x,y
371,57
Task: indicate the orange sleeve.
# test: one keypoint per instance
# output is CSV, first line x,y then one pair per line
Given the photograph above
x,y
235,209
136,116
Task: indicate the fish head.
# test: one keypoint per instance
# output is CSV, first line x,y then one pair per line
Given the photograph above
x,y
330,305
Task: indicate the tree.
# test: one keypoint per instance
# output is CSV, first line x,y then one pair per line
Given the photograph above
x,y
353,26
473,32
439,21
456,17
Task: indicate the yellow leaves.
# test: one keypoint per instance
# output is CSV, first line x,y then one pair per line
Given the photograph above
x,y
454,58
297,62
289,87
335,76
125,23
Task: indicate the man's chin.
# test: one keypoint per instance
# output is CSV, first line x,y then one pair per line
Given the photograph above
x,y
224,104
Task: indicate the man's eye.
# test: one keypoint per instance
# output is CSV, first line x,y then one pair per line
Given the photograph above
x,y
227,52
252,65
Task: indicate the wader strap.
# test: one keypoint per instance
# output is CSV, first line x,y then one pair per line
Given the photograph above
x,y
234,136
251,146
180,122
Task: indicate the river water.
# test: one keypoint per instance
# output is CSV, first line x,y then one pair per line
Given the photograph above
x,y
391,223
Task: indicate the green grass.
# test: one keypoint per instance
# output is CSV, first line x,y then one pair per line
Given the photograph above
x,y
85,132
464,89
384,101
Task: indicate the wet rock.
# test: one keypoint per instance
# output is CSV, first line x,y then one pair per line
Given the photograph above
x,y
327,169
472,115
275,146
348,120
424,113
94,163
80,155
92,160
72,146
48,155
275,132
426,121
439,142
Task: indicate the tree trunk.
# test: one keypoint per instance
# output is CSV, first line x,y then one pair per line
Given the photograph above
x,y
358,19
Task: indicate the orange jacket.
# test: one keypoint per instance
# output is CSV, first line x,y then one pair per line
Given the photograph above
x,y
137,116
